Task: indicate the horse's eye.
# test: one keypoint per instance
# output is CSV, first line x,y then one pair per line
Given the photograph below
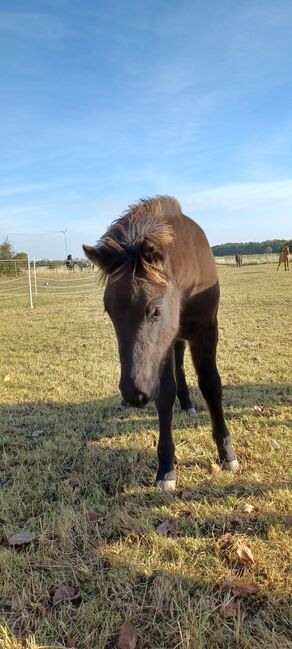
x,y
155,314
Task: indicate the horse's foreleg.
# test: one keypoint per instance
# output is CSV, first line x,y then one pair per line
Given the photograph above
x,y
203,350
183,392
279,264
164,404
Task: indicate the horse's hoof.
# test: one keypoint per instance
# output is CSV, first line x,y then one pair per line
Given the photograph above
x,y
231,466
191,412
168,482
166,485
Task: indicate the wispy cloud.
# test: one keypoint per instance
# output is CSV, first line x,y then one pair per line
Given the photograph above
x,y
239,196
11,189
34,26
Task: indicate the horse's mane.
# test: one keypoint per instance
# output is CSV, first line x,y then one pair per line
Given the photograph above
x,y
137,241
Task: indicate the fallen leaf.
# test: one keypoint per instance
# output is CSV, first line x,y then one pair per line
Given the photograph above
x,y
92,517
247,508
21,538
186,495
71,643
65,594
244,553
275,445
128,637
228,610
214,468
167,528
232,522
287,520
36,433
241,589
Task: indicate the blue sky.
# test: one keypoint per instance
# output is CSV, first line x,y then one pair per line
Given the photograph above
x,y
106,101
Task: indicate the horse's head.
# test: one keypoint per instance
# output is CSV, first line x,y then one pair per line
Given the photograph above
x,y
143,303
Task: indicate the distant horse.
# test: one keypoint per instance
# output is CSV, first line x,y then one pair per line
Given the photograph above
x,y
162,290
284,258
80,263
238,260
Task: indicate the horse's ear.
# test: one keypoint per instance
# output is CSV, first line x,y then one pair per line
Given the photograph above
x,y
99,256
93,253
106,255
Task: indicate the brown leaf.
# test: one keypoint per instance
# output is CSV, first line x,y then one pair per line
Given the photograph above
x,y
241,589
229,609
244,553
214,468
275,445
167,528
92,517
128,637
71,643
232,522
186,495
21,538
65,594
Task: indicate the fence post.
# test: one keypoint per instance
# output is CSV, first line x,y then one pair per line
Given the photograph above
x,y
35,277
29,282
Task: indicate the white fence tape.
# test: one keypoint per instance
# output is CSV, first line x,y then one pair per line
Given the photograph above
x,y
35,284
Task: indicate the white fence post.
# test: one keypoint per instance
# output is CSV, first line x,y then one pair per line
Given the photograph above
x,y
29,282
35,277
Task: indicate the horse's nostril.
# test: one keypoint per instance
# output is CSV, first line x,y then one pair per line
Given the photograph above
x,y
134,396
141,399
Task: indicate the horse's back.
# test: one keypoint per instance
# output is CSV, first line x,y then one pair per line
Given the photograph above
x,y
192,259
195,273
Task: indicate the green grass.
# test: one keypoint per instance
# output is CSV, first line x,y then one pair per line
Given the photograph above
x,y
59,375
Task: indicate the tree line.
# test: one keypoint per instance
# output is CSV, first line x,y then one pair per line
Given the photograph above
x,y
251,248
12,262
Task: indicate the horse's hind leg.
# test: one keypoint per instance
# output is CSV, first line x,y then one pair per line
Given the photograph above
x,y
203,350
183,392
164,404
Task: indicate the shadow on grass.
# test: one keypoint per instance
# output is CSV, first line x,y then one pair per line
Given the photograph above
x,y
60,458
69,437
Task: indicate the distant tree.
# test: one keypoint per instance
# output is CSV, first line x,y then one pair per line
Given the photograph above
x,y
21,259
6,250
269,249
12,263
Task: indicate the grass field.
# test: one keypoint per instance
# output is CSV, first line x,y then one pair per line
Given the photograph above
x,y
78,473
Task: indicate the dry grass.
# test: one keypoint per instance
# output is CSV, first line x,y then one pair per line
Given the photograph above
x,y
59,375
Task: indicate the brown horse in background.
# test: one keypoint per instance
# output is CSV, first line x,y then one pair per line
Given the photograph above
x,y
162,290
238,260
284,258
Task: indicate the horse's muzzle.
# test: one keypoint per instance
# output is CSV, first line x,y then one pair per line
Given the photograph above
x,y
136,400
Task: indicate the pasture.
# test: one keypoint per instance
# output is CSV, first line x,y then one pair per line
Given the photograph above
x,y
78,472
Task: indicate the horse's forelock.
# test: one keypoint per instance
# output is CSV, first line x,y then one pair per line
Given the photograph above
x,y
138,240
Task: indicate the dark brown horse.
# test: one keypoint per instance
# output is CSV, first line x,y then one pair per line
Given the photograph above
x,y
162,290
